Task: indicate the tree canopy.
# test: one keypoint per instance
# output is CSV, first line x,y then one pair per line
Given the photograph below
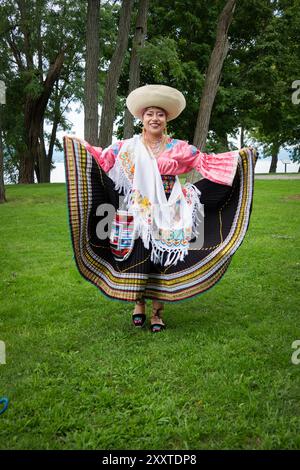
x,y
43,54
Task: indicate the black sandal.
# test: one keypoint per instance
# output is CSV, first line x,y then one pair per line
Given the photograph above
x,y
139,319
156,325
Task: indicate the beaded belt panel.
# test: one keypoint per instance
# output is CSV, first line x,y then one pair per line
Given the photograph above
x,y
168,182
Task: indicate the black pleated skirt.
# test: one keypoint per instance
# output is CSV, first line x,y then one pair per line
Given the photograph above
x,y
227,215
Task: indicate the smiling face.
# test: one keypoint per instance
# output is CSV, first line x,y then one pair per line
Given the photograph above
x,y
154,121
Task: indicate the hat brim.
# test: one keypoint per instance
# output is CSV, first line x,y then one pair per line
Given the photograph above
x,y
161,96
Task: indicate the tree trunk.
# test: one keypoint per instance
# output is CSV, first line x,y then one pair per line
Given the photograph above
x,y
2,187
43,159
37,168
26,173
113,75
52,139
275,151
134,72
242,138
213,76
34,115
91,73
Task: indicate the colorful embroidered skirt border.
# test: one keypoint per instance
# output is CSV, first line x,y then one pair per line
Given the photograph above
x,y
227,215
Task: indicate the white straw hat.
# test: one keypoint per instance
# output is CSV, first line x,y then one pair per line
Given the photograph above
x,y
160,96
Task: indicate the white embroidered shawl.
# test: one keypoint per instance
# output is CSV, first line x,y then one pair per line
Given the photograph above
x,y
168,224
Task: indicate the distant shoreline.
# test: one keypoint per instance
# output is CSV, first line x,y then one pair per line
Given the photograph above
x,y
261,170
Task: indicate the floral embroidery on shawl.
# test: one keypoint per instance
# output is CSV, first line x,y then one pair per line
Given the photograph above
x,y
168,224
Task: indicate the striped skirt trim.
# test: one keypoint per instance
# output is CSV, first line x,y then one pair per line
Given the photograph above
x,y
90,191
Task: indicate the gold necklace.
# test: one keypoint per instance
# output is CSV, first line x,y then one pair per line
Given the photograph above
x,y
157,147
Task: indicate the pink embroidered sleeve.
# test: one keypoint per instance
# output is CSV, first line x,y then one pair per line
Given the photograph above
x,y
219,168
105,158
167,166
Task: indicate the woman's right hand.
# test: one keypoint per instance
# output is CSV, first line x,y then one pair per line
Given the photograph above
x,y
95,151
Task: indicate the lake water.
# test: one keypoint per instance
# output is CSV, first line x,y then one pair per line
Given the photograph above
x,y
262,166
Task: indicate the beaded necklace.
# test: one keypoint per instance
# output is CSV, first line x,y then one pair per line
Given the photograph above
x,y
157,147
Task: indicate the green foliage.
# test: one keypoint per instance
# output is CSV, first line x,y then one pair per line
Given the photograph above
x,y
273,63
295,153
11,167
160,57
29,45
255,89
33,86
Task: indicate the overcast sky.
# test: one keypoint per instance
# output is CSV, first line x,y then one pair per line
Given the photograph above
x,y
76,118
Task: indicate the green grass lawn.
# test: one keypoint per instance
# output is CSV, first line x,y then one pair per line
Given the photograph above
x,y
279,174
79,376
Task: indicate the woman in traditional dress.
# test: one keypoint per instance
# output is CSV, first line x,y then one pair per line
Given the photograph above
x,y
170,241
